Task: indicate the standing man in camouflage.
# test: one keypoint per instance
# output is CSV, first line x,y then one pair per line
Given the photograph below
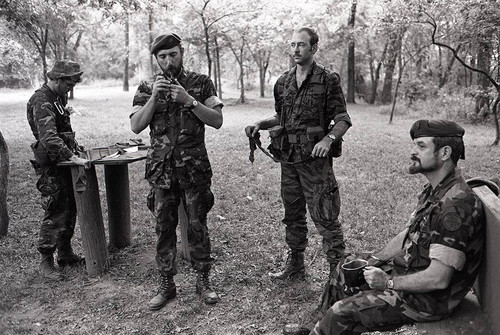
x,y
430,266
308,98
176,106
49,120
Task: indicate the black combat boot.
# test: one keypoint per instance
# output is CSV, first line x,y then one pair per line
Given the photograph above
x,y
305,327
69,258
166,292
203,287
47,268
294,267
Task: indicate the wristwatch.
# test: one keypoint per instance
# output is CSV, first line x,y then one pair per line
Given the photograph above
x,y
390,284
332,137
194,104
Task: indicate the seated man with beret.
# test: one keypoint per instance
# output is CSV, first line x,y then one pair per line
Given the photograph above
x,y
424,272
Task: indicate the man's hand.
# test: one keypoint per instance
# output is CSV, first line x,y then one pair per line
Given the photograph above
x,y
376,278
160,88
80,161
321,148
178,94
252,130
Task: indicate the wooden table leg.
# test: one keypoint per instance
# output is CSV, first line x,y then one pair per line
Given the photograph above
x,y
118,195
183,227
88,206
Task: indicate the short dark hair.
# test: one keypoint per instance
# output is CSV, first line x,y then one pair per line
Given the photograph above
x,y
314,38
454,142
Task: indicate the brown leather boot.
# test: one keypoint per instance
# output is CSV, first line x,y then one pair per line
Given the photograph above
x,y
166,292
203,287
294,267
47,268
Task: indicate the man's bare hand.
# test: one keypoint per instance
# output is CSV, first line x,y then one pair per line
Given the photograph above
x,y
321,148
376,278
252,130
178,94
160,88
81,161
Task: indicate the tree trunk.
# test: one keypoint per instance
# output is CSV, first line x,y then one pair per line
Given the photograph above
x,y
393,50
446,74
218,76
207,49
4,174
351,56
151,40
242,81
401,68
126,59
376,76
483,63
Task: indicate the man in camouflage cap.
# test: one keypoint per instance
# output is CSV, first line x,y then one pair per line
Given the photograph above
x,y
423,273
49,120
176,105
308,98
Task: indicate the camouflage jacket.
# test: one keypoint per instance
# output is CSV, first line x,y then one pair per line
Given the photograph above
x,y
448,225
177,135
50,123
299,108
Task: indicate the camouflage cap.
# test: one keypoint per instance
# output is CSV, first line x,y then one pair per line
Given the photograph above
x,y
166,41
64,68
436,128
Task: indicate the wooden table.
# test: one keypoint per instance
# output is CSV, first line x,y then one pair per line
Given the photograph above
x,y
86,190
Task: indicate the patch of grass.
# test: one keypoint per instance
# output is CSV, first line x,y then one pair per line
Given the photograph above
x,y
245,225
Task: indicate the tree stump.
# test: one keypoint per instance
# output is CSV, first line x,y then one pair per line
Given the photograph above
x,y
4,173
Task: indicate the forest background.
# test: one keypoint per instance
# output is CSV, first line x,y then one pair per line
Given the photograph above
x,y
442,51
399,60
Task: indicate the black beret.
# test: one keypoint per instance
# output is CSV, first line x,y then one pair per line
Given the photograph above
x,y
167,41
436,128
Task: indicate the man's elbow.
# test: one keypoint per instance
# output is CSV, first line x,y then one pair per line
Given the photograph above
x,y
135,128
441,283
217,122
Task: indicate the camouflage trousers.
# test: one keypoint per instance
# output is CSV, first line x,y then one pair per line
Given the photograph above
x,y
368,310
58,203
312,183
164,204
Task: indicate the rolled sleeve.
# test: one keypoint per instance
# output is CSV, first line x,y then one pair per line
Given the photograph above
x,y
213,101
448,256
336,106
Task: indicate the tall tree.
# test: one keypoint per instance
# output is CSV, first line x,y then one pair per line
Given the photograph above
x,y
481,71
120,11
351,54
31,18
4,174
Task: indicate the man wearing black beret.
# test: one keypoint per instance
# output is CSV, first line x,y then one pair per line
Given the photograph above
x,y
176,105
424,272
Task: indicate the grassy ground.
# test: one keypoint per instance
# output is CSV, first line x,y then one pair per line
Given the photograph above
x,y
247,235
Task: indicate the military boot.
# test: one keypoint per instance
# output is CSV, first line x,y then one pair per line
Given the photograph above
x,y
305,327
294,267
47,268
68,258
166,292
203,287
